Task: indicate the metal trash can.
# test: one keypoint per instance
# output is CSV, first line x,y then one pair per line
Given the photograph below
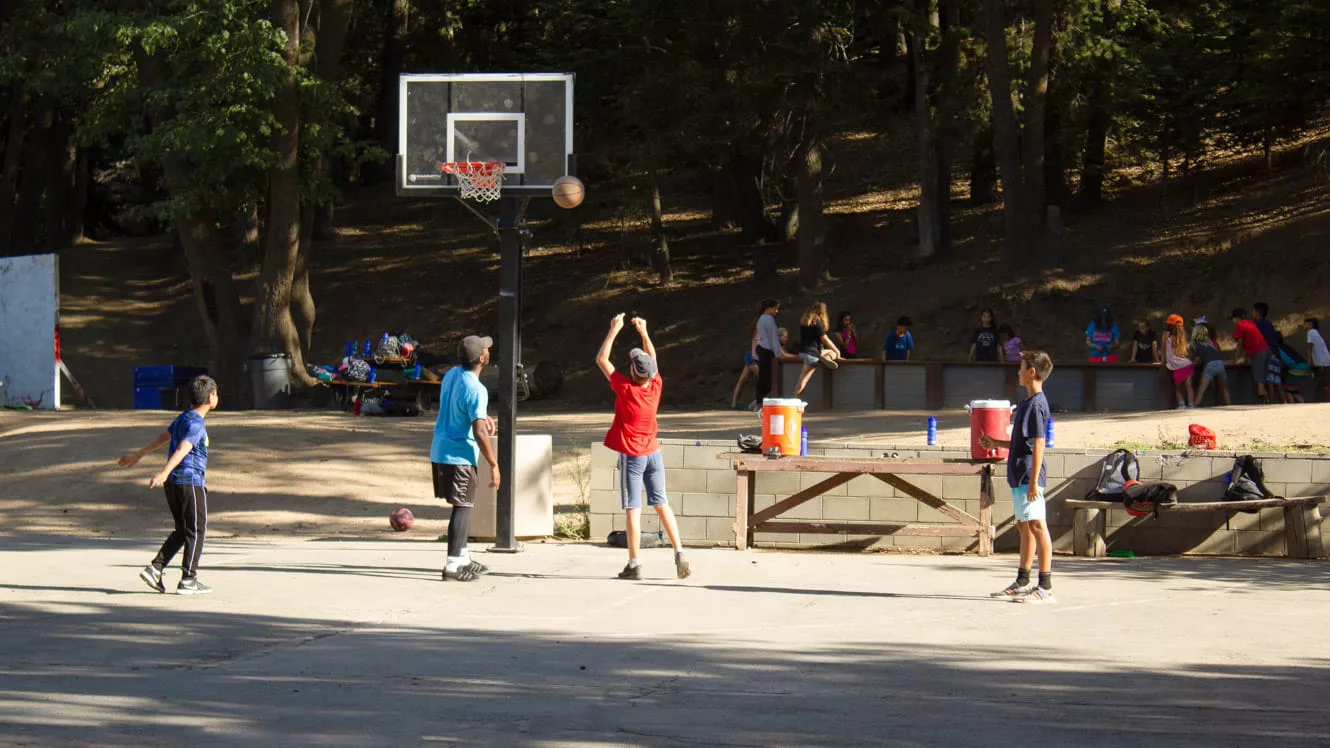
x,y
270,375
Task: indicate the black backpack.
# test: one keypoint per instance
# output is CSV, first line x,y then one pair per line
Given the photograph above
x,y
619,539
751,443
1144,499
1246,482
1119,467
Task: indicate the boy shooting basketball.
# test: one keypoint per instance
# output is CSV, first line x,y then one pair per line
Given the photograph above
x,y
1026,475
633,436
186,489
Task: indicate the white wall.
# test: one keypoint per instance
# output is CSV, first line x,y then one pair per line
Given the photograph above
x,y
29,312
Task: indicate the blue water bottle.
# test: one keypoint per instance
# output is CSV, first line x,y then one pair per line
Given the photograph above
x,y
417,376
1048,433
373,374
803,442
932,431
368,349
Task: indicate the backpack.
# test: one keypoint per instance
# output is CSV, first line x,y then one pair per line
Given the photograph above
x,y
1201,437
751,443
388,348
1246,482
1292,360
357,369
619,539
1120,466
1144,499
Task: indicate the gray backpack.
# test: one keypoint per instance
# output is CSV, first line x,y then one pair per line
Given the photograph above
x,y
1119,467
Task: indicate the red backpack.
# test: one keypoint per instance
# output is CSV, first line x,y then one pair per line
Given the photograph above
x,y
1144,499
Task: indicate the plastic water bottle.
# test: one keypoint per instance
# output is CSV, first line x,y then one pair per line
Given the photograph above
x,y
803,442
1048,434
368,349
932,431
350,349
417,376
373,373
384,340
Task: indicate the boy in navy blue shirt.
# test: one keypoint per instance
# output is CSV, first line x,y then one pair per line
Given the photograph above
x,y
1026,475
899,343
186,489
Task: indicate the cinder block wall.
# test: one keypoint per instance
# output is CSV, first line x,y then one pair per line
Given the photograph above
x,y
701,489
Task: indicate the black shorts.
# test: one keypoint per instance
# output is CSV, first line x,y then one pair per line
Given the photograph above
x,y
456,484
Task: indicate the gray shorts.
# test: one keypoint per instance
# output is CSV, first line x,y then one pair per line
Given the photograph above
x,y
809,359
1215,370
1259,362
636,473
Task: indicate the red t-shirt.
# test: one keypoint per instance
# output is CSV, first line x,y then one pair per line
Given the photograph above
x,y
633,432
1249,337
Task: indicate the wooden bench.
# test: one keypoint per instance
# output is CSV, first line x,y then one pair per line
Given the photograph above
x,y
1302,521
421,392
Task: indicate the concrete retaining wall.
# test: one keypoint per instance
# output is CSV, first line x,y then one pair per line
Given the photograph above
x,y
701,490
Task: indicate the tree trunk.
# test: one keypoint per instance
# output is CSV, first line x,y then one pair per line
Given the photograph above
x,y
755,224
79,200
983,168
927,216
1055,166
26,232
1091,194
329,45
392,63
812,236
1007,136
948,107
274,329
13,157
215,291
1035,122
303,311
61,162
660,258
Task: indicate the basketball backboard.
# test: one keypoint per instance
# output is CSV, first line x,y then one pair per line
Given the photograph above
x,y
524,120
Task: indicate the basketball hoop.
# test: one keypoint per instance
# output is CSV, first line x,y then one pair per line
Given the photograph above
x,y
478,180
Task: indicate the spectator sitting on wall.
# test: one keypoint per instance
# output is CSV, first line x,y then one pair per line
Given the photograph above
x,y
900,343
984,342
1144,344
1102,336
1011,343
846,335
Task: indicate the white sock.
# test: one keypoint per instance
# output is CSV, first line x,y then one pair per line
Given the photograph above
x,y
454,563
632,563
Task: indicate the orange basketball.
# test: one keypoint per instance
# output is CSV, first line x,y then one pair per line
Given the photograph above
x,y
569,191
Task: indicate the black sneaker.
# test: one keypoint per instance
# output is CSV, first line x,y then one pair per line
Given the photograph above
x,y
631,572
152,578
681,567
477,567
192,587
460,574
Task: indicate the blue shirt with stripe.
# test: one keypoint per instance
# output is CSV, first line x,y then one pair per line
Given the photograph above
x,y
462,400
188,427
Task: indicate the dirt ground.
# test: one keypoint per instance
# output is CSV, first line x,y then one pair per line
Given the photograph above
x,y
325,474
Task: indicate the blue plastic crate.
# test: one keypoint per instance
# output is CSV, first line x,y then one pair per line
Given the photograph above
x,y
168,375
154,398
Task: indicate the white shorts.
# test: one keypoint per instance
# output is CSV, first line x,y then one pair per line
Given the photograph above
x,y
1026,510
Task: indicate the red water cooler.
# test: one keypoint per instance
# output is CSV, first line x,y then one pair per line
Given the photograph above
x,y
992,417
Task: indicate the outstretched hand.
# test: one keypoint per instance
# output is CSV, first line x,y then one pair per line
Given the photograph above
x,y
128,461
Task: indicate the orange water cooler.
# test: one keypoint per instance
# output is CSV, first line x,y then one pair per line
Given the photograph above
x,y
782,420
992,417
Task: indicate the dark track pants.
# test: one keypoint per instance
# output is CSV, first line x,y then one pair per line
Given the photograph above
x,y
189,508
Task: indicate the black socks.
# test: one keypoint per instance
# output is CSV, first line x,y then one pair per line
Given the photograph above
x,y
1046,580
1022,577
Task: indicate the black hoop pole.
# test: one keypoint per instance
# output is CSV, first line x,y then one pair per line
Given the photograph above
x,y
510,355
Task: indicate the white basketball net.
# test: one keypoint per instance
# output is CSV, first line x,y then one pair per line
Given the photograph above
x,y
478,180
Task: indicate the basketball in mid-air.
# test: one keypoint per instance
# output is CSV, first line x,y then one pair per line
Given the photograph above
x,y
569,191
402,519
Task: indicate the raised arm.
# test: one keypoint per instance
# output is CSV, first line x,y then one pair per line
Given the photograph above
x,y
131,460
603,356
641,326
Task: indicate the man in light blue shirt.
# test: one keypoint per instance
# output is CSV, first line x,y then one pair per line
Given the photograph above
x,y
461,437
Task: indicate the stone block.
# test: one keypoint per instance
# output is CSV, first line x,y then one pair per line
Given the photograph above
x,y
1055,464
1189,469
720,529
603,479
1259,543
672,455
848,508
1193,520
1243,521
605,502
808,480
929,515
1205,490
766,538
894,510
1272,520
1081,465
917,541
1220,542
811,509
603,456
707,505
601,525
960,487
829,451
930,483
1305,489
1321,472
867,485
969,545
721,481
1288,471
693,530
777,483
763,501
650,521
618,522
703,458
1075,488
679,481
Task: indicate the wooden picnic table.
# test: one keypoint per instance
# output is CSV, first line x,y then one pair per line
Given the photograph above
x,y
844,469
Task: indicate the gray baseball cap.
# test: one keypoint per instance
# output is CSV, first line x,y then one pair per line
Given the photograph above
x,y
473,347
644,366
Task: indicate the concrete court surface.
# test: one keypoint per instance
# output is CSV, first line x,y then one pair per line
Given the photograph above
x,y
361,644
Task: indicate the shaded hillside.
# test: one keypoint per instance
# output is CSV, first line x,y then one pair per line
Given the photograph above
x,y
432,268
